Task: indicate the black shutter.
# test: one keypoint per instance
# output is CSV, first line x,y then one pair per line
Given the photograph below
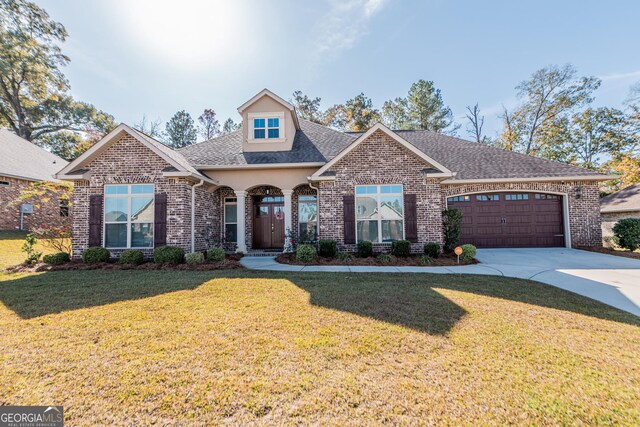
x,y
95,220
160,220
349,210
410,218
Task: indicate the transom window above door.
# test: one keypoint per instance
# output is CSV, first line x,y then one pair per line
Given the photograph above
x,y
266,127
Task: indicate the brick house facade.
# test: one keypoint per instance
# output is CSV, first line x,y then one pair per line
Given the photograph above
x,y
228,192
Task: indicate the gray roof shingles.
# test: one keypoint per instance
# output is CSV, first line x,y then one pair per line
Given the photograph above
x,y
317,143
23,159
627,199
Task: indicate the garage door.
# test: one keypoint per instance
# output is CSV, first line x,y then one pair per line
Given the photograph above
x,y
510,220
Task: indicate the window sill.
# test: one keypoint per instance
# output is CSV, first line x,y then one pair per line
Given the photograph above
x,y
266,140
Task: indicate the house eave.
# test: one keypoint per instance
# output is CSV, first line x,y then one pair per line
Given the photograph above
x,y
622,210
567,178
178,174
261,166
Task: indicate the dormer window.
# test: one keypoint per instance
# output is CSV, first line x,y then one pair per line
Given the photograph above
x,y
266,127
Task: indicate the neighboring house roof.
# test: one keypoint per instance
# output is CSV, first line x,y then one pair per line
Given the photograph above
x,y
22,159
625,200
179,165
313,143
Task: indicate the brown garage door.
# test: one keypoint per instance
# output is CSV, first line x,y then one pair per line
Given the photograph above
x,y
510,220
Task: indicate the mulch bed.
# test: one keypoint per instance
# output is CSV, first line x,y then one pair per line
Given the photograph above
x,y
600,249
231,262
412,261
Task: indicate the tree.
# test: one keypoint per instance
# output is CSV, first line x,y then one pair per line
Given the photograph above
x,y
181,130
230,126
209,125
62,144
627,168
395,113
153,128
308,108
33,90
359,114
550,94
476,122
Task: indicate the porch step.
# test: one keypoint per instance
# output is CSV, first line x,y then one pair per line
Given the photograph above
x,y
263,253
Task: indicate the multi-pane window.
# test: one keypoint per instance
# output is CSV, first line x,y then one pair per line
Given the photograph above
x,y
128,215
379,213
5,183
521,196
231,219
488,197
459,199
307,218
64,207
266,128
546,196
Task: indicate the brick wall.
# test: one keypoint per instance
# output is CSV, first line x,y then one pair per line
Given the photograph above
x,y
46,210
380,160
127,161
584,212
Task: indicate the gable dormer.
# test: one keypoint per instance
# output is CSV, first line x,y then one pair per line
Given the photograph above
x,y
269,123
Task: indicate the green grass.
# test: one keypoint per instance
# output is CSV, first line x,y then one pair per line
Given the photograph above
x,y
243,347
11,248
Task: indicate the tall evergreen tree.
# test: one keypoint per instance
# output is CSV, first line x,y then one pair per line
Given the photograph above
x,y
308,108
181,130
230,126
209,124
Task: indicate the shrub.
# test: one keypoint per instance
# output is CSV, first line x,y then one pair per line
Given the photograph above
x,y
29,248
364,249
168,255
306,253
132,256
468,252
95,255
194,258
426,259
345,257
401,248
386,258
327,248
215,254
451,227
611,242
628,233
57,258
432,249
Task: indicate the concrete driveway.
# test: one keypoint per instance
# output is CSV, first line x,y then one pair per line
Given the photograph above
x,y
610,279
606,278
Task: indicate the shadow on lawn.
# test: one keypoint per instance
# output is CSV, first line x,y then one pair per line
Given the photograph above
x,y
411,300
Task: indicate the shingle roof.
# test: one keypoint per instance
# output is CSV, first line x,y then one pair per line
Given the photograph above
x,y
313,143
317,143
23,159
627,199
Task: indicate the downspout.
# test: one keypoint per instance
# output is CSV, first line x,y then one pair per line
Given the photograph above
x,y
318,206
193,214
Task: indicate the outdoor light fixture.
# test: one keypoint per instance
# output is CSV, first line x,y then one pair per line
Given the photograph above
x,y
578,192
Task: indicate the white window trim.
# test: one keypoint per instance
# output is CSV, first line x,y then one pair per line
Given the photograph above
x,y
266,117
128,222
225,222
377,197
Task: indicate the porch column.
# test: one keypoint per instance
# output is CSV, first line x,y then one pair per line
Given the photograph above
x,y
241,246
288,222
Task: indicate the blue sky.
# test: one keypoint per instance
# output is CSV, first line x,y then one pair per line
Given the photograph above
x,y
135,57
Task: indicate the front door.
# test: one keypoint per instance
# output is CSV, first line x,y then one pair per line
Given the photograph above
x,y
268,223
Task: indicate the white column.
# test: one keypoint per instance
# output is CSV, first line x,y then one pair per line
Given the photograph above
x,y
242,243
288,222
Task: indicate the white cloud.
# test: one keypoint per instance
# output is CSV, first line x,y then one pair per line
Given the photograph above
x,y
343,25
620,76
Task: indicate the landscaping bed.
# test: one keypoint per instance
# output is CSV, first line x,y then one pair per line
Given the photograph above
x,y
609,251
231,262
410,261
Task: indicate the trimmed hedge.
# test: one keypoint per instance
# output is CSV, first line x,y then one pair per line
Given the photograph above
x,y
306,253
468,252
401,248
327,248
194,258
168,255
364,249
57,258
95,255
627,232
132,256
432,249
215,254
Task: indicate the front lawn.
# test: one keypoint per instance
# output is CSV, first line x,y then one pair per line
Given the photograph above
x,y
241,347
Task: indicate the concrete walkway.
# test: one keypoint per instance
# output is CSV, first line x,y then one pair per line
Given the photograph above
x,y
606,278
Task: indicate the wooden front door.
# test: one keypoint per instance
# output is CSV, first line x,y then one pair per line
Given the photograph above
x,y
268,222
